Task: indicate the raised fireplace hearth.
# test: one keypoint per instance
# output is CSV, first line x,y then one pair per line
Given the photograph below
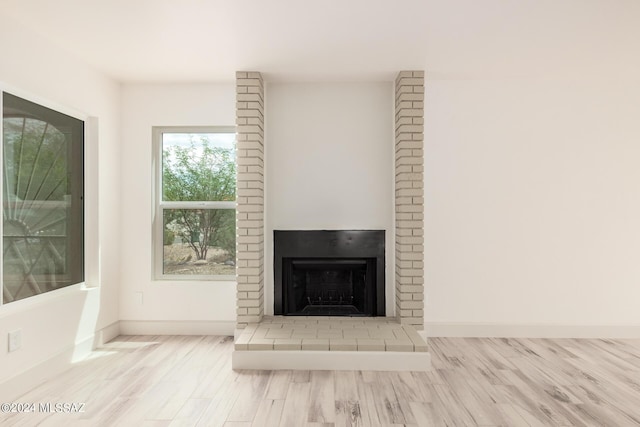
x,y
329,272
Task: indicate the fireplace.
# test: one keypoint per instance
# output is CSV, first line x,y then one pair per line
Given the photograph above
x,y
329,272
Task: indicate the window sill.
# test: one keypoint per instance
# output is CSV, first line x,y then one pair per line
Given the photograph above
x,y
44,298
196,280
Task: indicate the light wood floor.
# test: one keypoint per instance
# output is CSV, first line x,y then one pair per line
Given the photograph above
x,y
187,381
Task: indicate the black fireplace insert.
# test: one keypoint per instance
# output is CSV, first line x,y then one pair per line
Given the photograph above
x,y
329,272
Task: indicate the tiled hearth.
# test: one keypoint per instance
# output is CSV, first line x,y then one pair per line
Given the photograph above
x,y
330,334
344,343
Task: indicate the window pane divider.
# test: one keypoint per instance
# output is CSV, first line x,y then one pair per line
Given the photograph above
x,y
199,205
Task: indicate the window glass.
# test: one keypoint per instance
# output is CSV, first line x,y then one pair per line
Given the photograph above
x,y
43,185
195,218
198,167
199,241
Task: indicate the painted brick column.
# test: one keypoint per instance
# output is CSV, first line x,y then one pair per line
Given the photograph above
x,y
410,198
250,197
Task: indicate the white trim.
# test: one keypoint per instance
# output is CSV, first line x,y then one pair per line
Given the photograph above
x,y
194,278
550,330
332,360
177,327
42,299
198,205
91,202
31,97
106,334
19,384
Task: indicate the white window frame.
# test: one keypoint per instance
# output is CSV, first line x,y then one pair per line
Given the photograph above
x,y
160,205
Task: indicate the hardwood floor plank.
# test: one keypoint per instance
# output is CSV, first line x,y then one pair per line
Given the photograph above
x,y
278,385
480,412
423,413
348,410
217,412
367,404
524,402
296,405
217,375
322,406
269,413
535,395
389,408
406,392
188,381
422,382
512,417
615,392
190,413
349,413
599,401
407,388
484,362
447,409
251,390
528,417
301,376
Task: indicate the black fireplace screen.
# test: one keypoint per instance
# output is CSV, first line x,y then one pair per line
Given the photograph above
x,y
330,287
329,273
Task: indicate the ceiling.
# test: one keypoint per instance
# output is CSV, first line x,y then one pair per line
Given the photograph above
x,y
303,40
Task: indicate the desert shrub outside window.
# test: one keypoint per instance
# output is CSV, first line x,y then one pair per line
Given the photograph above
x,y
195,217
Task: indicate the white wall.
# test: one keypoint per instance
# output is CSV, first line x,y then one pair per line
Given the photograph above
x,y
52,324
329,163
532,209
167,306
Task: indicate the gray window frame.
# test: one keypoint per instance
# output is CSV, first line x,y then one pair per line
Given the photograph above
x,y
89,136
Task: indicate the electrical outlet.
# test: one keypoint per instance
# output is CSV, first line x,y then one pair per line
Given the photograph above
x,y
15,340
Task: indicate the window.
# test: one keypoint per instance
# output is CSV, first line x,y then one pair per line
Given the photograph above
x,y
195,217
43,199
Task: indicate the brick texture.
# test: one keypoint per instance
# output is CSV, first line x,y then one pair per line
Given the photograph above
x,y
409,198
250,209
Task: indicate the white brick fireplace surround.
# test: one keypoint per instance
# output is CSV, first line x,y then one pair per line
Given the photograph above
x,y
250,196
298,342
409,198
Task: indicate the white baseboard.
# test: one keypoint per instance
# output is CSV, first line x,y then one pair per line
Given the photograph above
x,y
106,334
177,327
19,384
499,330
332,360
